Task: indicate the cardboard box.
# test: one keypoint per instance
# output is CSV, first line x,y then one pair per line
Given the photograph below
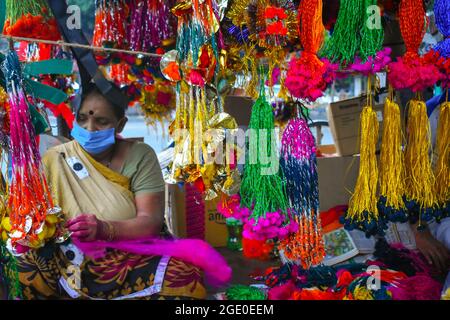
x,y
344,122
337,179
214,228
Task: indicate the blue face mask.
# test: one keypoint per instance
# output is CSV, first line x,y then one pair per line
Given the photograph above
x,y
94,142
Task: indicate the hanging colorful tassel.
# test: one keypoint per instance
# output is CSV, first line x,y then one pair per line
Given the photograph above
x,y
392,170
363,212
31,19
109,26
307,76
262,188
442,170
298,163
412,71
440,54
420,180
151,24
32,216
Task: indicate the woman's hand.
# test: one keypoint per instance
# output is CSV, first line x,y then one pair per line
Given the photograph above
x,y
85,227
434,251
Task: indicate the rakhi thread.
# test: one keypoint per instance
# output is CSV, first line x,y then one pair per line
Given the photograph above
x,y
442,170
362,213
392,170
420,197
32,219
110,23
298,163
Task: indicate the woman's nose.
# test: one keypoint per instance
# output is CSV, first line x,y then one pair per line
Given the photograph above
x,y
90,125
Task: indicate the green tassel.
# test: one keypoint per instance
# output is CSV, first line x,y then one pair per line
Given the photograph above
x,y
345,40
371,38
260,187
240,292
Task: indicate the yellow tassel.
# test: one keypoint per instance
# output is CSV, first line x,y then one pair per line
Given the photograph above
x,y
442,171
392,186
363,212
420,196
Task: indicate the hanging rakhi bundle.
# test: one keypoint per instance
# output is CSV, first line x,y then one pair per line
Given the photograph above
x,y
32,216
416,73
4,120
298,162
412,71
151,24
109,27
362,213
31,19
442,169
272,25
308,76
356,41
262,189
392,170
195,63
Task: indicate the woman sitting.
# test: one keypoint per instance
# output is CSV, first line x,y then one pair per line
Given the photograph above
x,y
110,189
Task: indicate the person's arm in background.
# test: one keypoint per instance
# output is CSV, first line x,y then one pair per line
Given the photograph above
x,y
433,250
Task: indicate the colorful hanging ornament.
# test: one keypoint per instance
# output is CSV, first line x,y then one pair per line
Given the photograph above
x,y
392,170
442,170
412,71
262,189
308,76
440,54
298,163
33,218
31,19
109,25
157,101
272,24
362,213
151,24
353,38
420,198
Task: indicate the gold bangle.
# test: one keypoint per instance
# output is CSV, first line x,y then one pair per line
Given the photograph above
x,y
111,232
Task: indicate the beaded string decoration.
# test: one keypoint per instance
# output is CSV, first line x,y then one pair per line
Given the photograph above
x,y
354,39
272,24
196,65
298,163
416,73
32,216
31,19
412,71
308,76
262,188
442,170
440,54
392,170
362,213
151,24
109,27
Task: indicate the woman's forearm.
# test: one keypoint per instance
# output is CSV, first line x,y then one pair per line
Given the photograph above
x,y
139,227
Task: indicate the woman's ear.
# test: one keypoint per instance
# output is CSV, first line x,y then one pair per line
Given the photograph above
x,y
121,124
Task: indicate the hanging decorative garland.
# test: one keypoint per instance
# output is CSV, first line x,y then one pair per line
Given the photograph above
x,y
416,73
354,42
32,216
31,19
109,27
151,24
392,170
298,163
362,213
308,76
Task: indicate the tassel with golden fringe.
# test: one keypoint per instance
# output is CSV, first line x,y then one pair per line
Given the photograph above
x,y
392,169
420,198
442,171
362,213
